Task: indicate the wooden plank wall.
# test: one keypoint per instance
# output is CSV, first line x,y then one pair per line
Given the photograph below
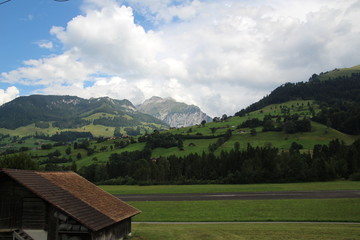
x,y
33,214
10,205
114,232
6,236
19,207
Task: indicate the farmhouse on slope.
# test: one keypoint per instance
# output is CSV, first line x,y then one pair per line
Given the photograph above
x,y
59,206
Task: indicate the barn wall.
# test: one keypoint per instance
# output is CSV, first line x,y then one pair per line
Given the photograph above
x,y
20,208
117,231
63,227
6,235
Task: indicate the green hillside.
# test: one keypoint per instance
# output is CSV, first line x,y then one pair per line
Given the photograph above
x,y
339,72
196,139
338,100
48,115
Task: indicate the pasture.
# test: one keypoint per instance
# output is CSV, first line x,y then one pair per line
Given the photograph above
x,y
246,231
270,219
217,188
294,210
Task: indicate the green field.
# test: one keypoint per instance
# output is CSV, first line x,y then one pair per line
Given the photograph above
x,y
103,157
216,188
319,135
342,210
246,231
304,210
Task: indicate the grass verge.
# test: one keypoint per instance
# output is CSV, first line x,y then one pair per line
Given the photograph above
x,y
307,210
214,188
246,231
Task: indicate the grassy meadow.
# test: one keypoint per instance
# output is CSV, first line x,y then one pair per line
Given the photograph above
x,y
246,231
342,210
339,72
304,210
217,188
270,219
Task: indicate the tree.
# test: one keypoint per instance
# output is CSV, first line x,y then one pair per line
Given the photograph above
x,y
237,146
289,127
203,122
180,145
117,132
68,150
328,123
216,119
73,166
18,161
253,132
57,153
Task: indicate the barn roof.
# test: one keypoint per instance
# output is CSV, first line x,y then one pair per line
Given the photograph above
x,y
74,195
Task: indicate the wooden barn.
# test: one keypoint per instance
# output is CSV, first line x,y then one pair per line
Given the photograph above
x,y
59,206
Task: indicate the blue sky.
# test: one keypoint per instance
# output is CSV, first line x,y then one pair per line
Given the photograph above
x,y
25,23
219,55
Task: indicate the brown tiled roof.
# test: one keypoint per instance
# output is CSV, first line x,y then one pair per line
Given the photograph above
x,y
74,195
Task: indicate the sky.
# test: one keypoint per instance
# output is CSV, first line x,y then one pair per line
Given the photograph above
x,y
221,55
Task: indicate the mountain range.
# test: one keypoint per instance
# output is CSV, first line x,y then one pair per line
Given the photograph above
x,y
70,112
49,114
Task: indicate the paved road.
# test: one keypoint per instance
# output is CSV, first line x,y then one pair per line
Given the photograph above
x,y
242,196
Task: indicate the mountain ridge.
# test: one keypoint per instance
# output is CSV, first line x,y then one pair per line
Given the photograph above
x,y
72,112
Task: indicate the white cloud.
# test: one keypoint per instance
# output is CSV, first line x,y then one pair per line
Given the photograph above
x,y
9,94
115,87
45,44
61,69
109,40
219,55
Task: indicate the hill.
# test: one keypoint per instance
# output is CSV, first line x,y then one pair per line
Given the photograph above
x,y
338,99
176,114
338,72
46,114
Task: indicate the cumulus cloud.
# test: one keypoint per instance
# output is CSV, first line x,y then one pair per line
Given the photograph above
x,y
60,69
219,55
9,94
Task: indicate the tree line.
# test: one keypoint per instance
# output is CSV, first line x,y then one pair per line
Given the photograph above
x,y
265,164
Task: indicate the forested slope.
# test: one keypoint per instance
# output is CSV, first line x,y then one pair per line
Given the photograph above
x,y
339,100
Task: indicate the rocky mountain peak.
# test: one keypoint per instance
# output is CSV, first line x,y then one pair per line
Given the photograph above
x,y
176,114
